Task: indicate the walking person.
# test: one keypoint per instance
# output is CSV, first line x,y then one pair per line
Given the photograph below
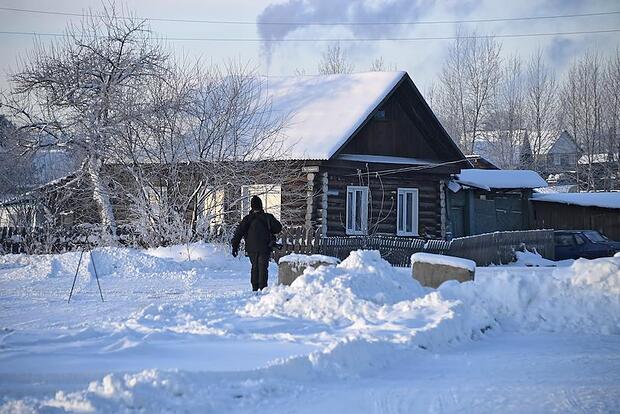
x,y
258,229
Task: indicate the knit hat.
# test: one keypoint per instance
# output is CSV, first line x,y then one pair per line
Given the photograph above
x,y
256,203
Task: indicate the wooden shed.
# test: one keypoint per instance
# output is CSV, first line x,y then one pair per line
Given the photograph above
x,y
578,211
484,201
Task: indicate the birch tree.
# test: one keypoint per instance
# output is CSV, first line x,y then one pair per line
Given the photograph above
x,y
541,104
209,132
84,90
334,61
582,107
509,113
612,119
470,78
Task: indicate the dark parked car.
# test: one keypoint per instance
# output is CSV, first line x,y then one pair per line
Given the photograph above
x,y
589,244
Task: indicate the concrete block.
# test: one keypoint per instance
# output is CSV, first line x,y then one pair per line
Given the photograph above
x,y
292,266
432,270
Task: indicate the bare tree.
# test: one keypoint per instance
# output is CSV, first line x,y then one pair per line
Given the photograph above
x,y
84,90
541,104
612,120
212,132
17,172
379,65
469,81
582,107
508,134
334,61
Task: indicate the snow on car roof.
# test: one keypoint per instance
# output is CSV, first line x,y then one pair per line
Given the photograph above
x,y
488,179
600,199
324,111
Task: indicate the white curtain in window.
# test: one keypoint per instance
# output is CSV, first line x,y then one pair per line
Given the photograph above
x,y
407,212
213,206
270,195
357,210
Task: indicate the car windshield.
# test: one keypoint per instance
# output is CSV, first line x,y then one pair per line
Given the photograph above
x,y
594,236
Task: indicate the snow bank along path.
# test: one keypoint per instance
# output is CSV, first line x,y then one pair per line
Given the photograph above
x,y
353,320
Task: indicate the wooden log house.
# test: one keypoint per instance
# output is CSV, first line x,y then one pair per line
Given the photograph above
x,y
372,157
376,158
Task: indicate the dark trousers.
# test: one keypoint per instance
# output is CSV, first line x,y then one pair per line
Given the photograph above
x,y
260,264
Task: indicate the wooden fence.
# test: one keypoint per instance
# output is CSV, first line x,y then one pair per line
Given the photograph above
x,y
396,250
298,240
484,249
500,247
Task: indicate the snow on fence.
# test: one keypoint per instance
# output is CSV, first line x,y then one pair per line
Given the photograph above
x,y
500,247
54,240
396,250
484,249
298,240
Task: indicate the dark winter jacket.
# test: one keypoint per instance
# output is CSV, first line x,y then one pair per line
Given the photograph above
x,y
255,229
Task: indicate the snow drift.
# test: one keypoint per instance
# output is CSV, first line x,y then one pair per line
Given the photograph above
x,y
364,293
363,315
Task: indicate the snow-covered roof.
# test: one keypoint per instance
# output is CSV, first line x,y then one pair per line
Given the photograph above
x,y
385,159
601,199
597,158
506,179
325,110
552,189
504,148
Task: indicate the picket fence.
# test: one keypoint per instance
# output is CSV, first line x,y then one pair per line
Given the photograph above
x,y
484,249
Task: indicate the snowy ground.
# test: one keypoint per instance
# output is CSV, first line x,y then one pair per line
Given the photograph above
x,y
179,335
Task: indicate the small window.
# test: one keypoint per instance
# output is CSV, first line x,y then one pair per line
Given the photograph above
x,y
270,195
156,198
380,115
579,240
213,207
407,212
357,210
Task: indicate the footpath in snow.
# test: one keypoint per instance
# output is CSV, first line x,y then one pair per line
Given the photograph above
x,y
179,331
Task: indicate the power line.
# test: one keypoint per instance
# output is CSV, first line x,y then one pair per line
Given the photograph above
x,y
351,39
300,23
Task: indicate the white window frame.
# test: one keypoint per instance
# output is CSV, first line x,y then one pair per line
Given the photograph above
x,y
266,192
155,200
213,206
415,213
354,190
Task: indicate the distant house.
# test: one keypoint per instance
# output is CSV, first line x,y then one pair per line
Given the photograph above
x,y
554,153
483,201
374,158
558,155
601,171
479,162
578,211
500,148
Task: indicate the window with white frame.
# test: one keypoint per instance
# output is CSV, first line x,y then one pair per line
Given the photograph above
x,y
357,210
156,199
213,207
407,212
270,195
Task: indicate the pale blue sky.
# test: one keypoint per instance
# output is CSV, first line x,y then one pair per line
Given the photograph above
x,y
422,60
